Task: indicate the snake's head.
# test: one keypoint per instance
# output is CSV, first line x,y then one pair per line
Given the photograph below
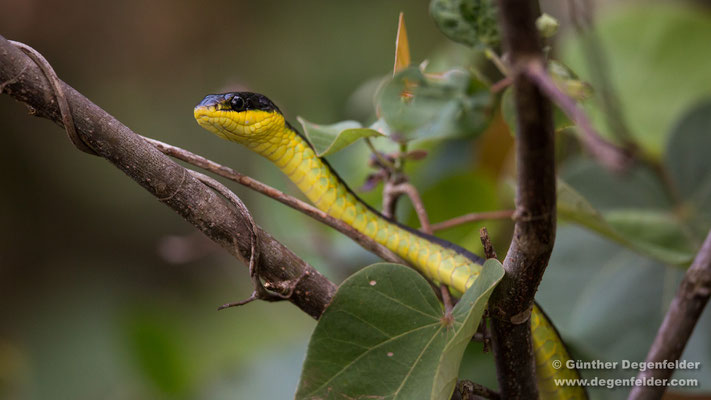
x,y
239,116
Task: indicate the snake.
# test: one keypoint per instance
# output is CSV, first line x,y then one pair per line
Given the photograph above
x,y
255,122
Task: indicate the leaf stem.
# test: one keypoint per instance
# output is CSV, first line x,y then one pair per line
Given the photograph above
x,y
498,62
379,156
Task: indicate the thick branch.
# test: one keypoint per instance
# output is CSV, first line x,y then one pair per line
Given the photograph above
x,y
166,180
678,324
534,230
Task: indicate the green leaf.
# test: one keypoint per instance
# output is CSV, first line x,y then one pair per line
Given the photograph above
x,y
653,233
573,207
656,232
568,81
637,211
638,187
384,336
472,22
328,139
419,106
381,126
508,110
659,58
689,166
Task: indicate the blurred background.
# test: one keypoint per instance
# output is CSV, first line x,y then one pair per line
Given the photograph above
x,y
106,293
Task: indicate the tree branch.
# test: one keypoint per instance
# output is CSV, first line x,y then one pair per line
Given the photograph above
x,y
678,324
409,190
22,79
473,217
534,229
313,212
609,155
468,390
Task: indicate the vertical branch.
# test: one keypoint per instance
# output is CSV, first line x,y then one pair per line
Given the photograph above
x,y
534,230
678,324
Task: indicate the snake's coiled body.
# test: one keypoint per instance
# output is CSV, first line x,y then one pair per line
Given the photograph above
x,y
255,122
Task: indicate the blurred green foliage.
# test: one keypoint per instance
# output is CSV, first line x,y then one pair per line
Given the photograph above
x,y
658,60
472,22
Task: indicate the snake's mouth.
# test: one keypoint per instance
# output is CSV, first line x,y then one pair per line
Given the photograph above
x,y
239,116
205,117
203,114
213,120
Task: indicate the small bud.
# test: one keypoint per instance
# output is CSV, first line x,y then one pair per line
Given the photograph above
x,y
418,154
547,25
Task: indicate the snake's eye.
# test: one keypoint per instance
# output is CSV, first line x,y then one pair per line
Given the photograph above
x,y
237,103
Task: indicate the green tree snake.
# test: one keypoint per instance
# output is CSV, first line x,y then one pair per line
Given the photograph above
x,y
254,121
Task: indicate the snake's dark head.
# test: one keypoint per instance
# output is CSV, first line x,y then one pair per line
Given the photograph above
x,y
239,116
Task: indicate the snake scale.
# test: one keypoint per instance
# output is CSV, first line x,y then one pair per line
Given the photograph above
x,y
252,120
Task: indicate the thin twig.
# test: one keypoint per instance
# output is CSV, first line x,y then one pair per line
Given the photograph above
x,y
489,251
379,156
409,190
498,62
679,322
473,217
468,390
501,85
209,165
390,197
446,299
259,291
613,157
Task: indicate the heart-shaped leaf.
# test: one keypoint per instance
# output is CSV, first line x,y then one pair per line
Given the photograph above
x,y
385,336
